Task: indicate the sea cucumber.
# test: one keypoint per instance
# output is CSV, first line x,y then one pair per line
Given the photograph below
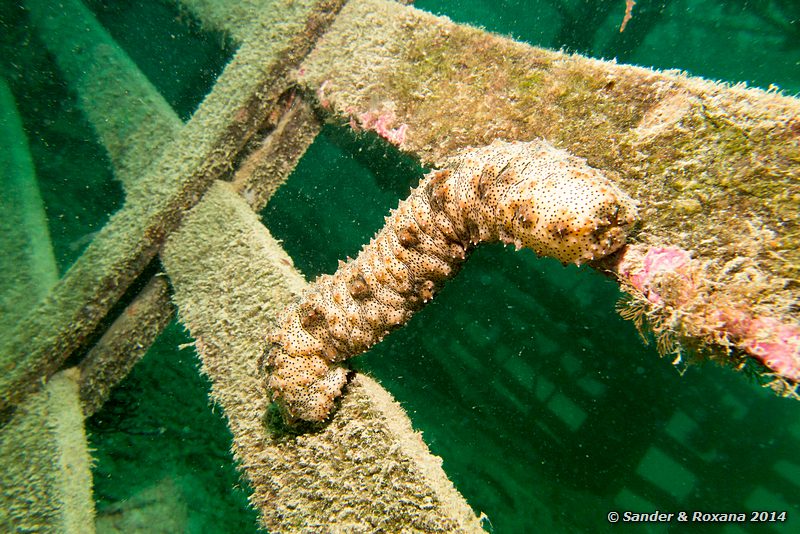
x,y
527,194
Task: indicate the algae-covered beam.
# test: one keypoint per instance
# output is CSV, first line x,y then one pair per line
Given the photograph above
x,y
367,468
45,467
132,120
134,123
233,18
131,334
242,102
714,265
27,265
124,343
272,161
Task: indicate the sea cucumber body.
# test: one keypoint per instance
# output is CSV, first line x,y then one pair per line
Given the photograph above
x,y
527,194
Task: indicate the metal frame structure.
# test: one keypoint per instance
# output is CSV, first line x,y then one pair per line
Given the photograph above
x,y
431,87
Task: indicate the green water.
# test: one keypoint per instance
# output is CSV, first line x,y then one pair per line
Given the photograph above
x,y
545,406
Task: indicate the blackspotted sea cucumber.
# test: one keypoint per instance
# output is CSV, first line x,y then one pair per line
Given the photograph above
x,y
527,194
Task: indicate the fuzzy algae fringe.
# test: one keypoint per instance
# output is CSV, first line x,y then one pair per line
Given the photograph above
x,y
45,466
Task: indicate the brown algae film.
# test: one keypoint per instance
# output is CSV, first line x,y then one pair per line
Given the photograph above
x,y
529,194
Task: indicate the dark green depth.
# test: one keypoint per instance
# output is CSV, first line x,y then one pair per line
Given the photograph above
x,y
159,432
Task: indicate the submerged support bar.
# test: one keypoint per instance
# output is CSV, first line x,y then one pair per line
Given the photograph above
x,y
131,118
713,167
245,96
124,343
45,467
134,123
271,162
233,18
127,340
367,467
27,266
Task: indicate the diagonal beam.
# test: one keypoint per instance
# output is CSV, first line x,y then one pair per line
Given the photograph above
x,y
134,123
239,105
237,19
27,266
367,467
127,340
131,118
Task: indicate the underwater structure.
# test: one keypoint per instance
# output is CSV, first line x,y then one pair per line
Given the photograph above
x,y
710,269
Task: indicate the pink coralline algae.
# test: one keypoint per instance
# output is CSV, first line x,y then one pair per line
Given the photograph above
x,y
322,98
776,344
656,263
382,122
668,278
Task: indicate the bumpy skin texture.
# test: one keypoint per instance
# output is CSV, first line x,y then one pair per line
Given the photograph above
x,y
529,194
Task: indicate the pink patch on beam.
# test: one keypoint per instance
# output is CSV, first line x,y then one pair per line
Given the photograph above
x,y
381,123
776,345
656,262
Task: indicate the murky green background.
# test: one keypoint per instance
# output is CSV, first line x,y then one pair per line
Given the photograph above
x,y
545,406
